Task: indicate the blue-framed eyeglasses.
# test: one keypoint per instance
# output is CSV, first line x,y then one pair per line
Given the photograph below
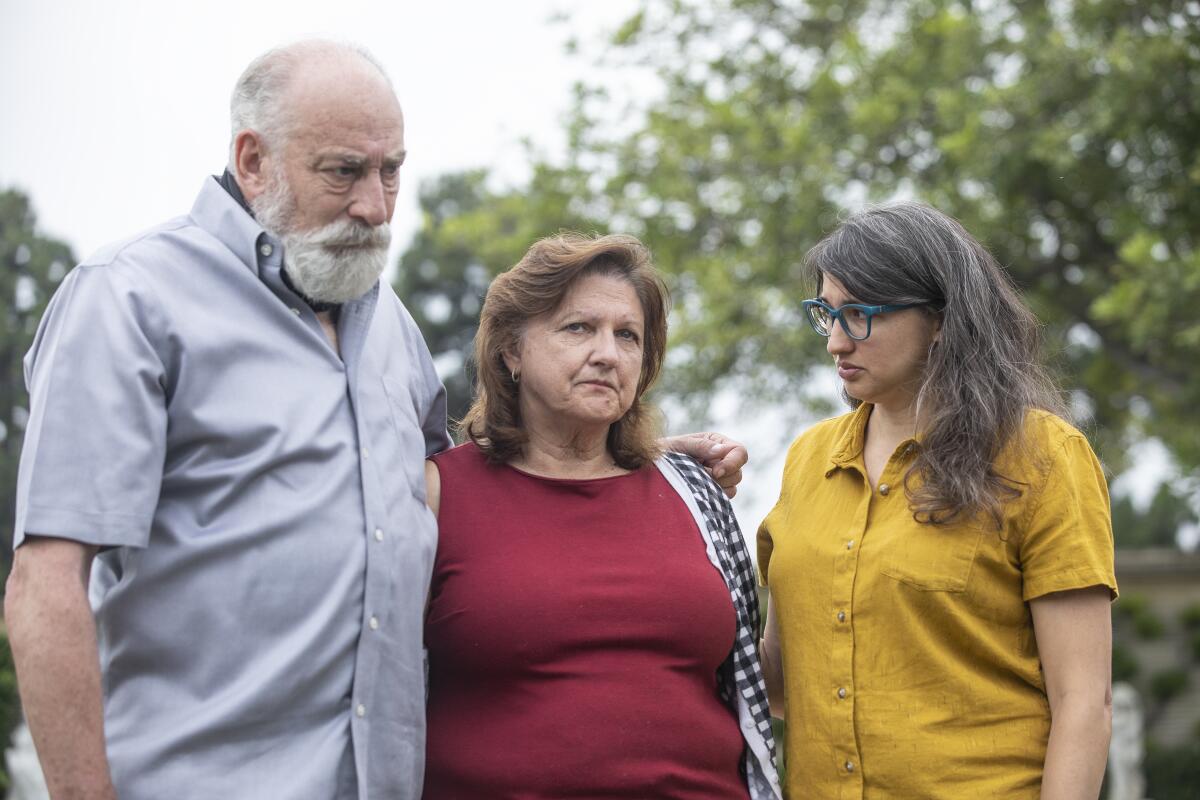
x,y
855,318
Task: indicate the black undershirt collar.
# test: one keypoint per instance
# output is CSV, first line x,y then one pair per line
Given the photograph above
x,y
230,184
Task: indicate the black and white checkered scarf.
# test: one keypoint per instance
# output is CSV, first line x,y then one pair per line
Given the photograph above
x,y
741,682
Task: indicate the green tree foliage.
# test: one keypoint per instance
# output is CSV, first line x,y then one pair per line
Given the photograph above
x,y
31,266
442,280
1149,626
1125,665
1168,683
1065,135
1189,618
1172,773
469,233
10,704
1157,525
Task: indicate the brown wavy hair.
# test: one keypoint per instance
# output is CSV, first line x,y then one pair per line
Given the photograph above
x,y
981,378
536,285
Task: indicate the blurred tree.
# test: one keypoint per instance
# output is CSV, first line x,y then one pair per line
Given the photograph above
x,y
1156,526
1172,773
442,280
1065,135
10,703
31,266
468,234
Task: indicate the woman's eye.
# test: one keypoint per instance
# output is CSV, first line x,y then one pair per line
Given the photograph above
x,y
628,335
575,327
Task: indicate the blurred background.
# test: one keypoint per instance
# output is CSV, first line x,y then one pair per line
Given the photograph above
x,y
729,135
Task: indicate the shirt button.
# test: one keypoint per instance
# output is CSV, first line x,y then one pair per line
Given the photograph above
x,y
379,534
850,545
361,711
374,623
849,765
266,249
366,453
884,489
841,616
296,311
842,693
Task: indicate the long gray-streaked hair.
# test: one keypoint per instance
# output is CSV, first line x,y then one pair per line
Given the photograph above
x,y
983,374
257,100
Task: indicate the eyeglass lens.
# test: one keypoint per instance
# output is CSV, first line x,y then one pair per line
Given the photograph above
x,y
855,320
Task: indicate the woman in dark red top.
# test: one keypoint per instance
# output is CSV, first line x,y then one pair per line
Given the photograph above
x,y
589,632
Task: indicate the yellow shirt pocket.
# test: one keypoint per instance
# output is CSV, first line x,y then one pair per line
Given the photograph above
x,y
932,558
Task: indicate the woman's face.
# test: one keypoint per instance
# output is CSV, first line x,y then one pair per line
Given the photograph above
x,y
887,367
579,365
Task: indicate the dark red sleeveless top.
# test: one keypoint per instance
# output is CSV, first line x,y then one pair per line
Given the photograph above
x,y
575,628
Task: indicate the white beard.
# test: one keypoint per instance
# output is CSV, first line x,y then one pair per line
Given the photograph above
x,y
336,263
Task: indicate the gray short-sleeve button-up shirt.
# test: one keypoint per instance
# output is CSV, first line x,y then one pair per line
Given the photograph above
x,y
261,499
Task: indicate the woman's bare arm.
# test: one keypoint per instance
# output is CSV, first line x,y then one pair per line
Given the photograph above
x,y
433,487
1074,638
771,658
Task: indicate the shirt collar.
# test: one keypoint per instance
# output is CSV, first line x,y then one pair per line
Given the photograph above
x,y
230,184
219,213
847,450
263,243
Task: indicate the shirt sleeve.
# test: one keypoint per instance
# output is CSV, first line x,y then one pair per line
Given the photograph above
x,y
433,414
1068,540
792,467
797,460
433,421
92,459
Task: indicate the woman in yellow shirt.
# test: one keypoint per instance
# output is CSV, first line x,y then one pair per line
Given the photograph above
x,y
940,559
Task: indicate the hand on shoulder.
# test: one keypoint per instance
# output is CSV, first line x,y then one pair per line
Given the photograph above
x,y
720,455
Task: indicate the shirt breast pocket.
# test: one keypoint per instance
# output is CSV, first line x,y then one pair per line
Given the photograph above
x,y
933,558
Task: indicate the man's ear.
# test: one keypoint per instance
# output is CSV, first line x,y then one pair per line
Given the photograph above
x,y
250,167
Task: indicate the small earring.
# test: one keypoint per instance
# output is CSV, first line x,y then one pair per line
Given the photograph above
x,y
516,376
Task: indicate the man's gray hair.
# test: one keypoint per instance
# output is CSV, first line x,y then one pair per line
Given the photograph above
x,y
257,101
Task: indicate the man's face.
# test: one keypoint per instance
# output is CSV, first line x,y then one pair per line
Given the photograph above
x,y
333,181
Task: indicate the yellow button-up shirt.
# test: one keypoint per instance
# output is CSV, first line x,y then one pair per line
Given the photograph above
x,y
909,659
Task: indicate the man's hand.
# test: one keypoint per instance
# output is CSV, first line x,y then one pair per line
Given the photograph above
x,y
720,455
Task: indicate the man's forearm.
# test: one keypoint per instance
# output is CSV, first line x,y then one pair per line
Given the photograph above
x,y
1077,751
53,638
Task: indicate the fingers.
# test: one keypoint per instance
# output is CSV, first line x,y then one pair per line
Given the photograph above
x,y
729,482
727,458
720,455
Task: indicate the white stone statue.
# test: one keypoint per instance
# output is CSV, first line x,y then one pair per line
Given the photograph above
x,y
1125,781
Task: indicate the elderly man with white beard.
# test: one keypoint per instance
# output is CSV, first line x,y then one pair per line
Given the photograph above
x,y
229,419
